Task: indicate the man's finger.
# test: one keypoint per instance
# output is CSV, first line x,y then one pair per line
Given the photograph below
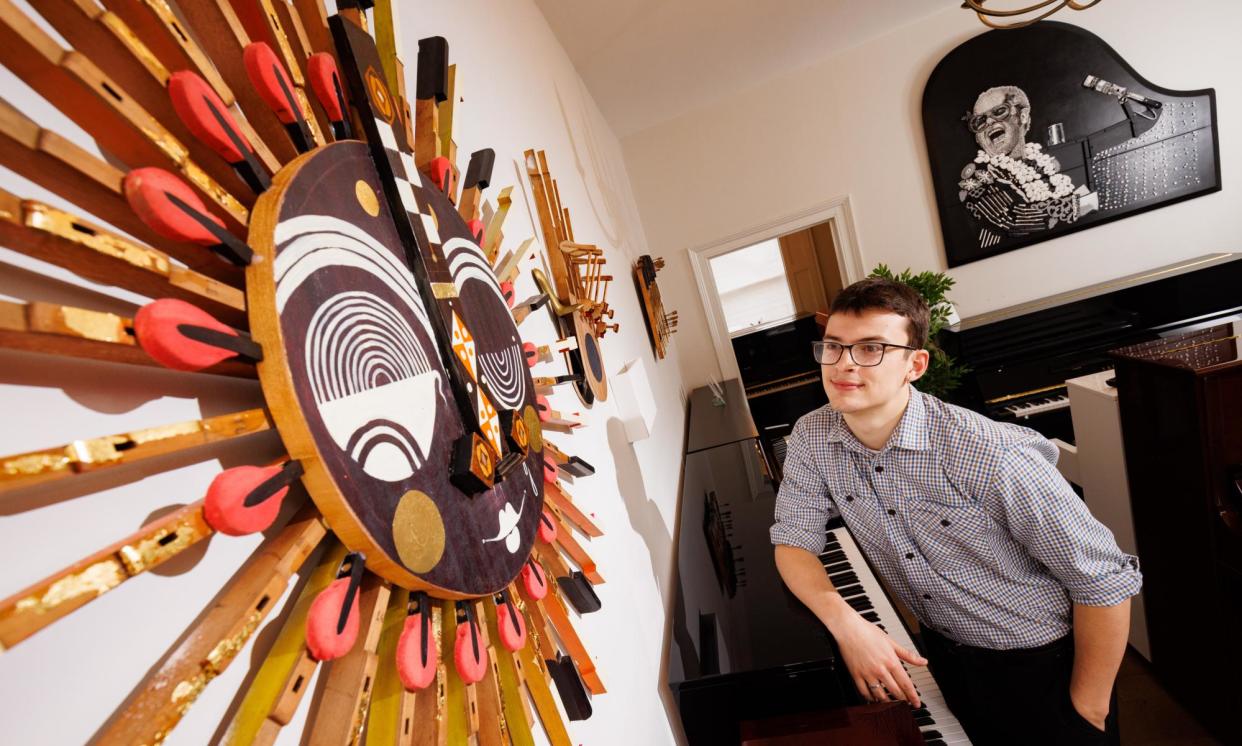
x,y
894,689
909,656
861,685
903,681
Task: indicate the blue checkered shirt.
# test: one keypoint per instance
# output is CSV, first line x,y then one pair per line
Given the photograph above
x,y
967,520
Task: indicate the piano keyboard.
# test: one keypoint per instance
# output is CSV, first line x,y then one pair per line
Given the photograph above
x,y
1038,406
779,448
784,384
849,572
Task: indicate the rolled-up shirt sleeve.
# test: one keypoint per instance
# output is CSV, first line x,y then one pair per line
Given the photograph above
x,y
1058,530
803,504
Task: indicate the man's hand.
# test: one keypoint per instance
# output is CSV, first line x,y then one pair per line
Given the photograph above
x,y
871,656
874,658
1092,712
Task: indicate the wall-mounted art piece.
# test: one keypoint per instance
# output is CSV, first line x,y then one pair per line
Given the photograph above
x,y
1037,132
576,294
661,324
294,218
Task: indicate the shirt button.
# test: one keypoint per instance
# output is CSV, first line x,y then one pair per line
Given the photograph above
x,y
879,469
927,596
909,555
945,523
849,498
892,512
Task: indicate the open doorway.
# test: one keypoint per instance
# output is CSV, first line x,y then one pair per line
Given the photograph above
x,y
788,268
776,280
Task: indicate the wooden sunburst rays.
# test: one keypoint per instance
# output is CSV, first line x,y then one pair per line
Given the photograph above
x,y
197,109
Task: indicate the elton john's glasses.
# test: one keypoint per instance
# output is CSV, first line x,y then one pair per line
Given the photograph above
x,y
864,354
976,122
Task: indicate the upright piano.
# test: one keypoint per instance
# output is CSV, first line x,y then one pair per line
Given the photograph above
x,y
781,378
743,648
1020,357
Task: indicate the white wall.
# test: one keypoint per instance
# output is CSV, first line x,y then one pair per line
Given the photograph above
x,y
851,125
520,91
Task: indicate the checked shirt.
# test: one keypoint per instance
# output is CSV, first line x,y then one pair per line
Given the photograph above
x,y
966,519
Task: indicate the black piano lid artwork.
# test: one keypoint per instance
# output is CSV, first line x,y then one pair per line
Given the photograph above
x,y
1055,109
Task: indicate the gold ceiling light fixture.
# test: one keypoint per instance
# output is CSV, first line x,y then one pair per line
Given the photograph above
x,y
1019,17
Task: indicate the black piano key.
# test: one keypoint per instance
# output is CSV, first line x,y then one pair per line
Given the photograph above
x,y
936,742
924,721
921,712
837,567
933,733
871,616
849,591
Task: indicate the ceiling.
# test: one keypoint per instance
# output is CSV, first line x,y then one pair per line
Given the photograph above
x,y
648,61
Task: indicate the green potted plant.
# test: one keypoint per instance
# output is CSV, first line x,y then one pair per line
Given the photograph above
x,y
943,374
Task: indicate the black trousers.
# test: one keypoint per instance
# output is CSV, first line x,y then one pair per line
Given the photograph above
x,y
1012,697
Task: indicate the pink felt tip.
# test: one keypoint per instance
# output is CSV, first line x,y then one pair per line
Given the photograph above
x,y
325,81
469,654
534,581
156,324
149,192
416,673
512,628
547,528
224,506
194,101
322,639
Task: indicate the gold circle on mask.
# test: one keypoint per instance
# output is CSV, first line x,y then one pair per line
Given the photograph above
x,y
418,531
533,432
366,198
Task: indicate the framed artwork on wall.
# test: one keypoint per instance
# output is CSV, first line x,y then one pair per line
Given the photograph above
x,y
1038,132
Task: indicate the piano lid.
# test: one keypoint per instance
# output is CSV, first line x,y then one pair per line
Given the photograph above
x,y
1091,291
733,613
710,425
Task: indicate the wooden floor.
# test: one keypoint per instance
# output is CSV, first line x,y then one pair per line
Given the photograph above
x,y
1148,715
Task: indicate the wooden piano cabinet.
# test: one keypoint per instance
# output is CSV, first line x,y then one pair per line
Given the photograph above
x,y
1181,414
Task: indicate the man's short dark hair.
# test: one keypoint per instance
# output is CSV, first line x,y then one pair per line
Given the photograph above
x,y
882,294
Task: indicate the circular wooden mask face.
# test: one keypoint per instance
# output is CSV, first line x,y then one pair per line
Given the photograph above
x,y
361,386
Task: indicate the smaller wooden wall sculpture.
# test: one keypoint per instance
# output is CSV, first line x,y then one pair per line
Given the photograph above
x,y
661,324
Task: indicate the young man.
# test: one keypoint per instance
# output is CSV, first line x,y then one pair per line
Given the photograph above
x,y
1021,595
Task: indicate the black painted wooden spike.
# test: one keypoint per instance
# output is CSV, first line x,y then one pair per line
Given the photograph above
x,y
245,347
479,172
569,686
290,472
576,467
432,69
356,562
580,592
419,604
231,248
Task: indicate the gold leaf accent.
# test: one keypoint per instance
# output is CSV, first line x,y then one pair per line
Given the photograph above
x,y
101,327
96,579
534,433
35,463
150,551
418,531
366,198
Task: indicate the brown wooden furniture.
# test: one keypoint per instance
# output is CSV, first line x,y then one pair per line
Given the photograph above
x,y
1181,414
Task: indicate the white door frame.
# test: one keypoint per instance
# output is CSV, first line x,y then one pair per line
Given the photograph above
x,y
836,212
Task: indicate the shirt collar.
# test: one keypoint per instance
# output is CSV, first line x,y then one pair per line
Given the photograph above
x,y
911,432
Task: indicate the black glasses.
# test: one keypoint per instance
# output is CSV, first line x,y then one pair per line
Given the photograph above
x,y
864,354
976,122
